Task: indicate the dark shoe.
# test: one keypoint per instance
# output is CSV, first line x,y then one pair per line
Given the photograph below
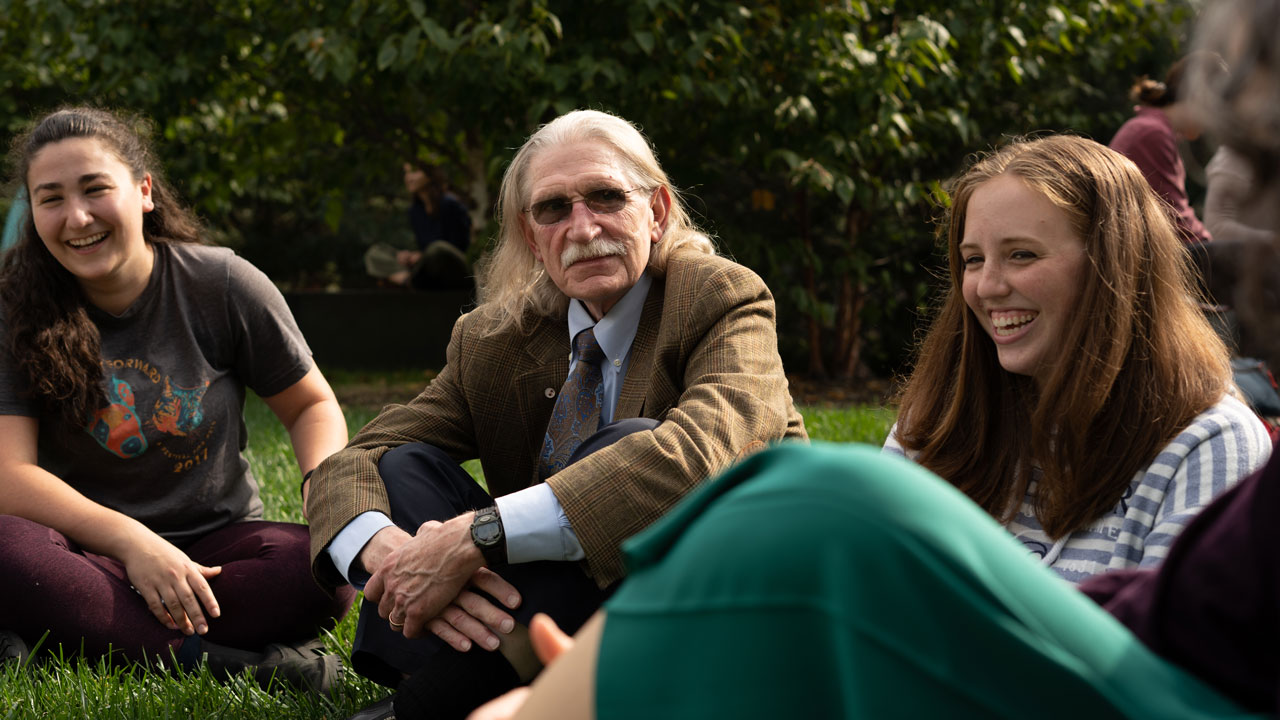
x,y
12,647
304,666
380,710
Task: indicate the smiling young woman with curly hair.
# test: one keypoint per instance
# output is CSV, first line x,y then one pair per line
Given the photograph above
x,y
131,520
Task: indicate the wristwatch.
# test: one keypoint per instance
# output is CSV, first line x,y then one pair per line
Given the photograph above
x,y
486,533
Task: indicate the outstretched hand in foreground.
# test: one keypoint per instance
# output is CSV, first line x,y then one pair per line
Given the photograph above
x,y
566,688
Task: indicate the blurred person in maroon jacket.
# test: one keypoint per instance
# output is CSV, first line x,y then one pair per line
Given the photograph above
x,y
1150,139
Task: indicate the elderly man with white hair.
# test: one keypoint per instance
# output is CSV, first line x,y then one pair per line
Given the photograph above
x,y
614,362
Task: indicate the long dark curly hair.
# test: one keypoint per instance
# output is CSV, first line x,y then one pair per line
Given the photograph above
x,y
50,334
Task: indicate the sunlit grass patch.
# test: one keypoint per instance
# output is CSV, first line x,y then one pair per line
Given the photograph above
x,y
860,424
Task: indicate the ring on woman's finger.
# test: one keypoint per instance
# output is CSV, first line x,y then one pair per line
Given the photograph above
x,y
396,625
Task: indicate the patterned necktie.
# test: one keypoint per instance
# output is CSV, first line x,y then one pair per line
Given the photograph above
x,y
577,412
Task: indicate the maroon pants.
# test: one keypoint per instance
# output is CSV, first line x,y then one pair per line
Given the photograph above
x,y
85,602
1213,606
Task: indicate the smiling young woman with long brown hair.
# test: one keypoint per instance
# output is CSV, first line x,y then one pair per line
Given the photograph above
x,y
1070,385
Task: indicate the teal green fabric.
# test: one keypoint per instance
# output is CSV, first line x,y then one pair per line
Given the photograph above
x,y
13,221
833,581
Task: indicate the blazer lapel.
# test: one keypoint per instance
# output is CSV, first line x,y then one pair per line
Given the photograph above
x,y
545,370
636,385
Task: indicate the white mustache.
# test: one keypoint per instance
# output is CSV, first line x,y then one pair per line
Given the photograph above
x,y
597,248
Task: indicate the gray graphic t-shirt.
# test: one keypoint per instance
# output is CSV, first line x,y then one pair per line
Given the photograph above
x,y
166,448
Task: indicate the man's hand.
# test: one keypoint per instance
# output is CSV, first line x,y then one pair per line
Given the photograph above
x,y
416,581
382,544
472,618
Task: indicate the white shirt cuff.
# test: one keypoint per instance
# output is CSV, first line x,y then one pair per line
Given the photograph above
x,y
348,543
536,527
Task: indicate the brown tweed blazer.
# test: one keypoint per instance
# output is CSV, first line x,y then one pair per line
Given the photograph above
x,y
704,363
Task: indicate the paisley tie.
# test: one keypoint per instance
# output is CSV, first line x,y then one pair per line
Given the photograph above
x,y
577,412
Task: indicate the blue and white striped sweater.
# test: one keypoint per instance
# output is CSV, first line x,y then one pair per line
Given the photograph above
x,y
1222,446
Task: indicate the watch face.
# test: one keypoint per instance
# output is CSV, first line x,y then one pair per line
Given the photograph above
x,y
487,534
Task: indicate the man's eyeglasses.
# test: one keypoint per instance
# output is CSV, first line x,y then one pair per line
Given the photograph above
x,y
601,202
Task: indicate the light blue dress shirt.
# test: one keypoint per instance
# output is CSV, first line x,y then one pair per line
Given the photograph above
x,y
533,521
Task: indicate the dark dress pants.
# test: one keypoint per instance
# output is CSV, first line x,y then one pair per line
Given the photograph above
x,y
424,483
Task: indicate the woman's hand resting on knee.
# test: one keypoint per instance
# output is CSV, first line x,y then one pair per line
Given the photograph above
x,y
173,585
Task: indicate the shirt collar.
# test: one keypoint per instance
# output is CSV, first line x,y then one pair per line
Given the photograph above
x,y
1153,112
617,329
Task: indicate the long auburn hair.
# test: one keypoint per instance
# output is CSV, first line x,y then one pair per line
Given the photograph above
x,y
48,324
1142,360
511,281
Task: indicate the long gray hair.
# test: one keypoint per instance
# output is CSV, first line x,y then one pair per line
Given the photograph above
x,y
512,283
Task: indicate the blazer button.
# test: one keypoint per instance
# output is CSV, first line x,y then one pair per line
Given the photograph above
x,y
549,392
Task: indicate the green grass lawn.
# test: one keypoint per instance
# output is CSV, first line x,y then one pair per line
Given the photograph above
x,y
67,689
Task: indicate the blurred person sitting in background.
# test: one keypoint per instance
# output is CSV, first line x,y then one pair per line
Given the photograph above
x,y
441,228
1150,139
1241,229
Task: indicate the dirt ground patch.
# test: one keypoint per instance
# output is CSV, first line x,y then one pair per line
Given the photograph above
x,y
827,393
374,391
